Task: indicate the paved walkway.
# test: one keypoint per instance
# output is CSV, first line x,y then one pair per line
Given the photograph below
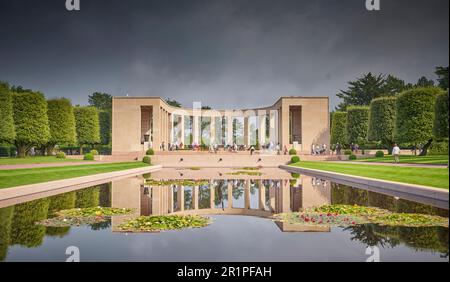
x,y
21,166
392,164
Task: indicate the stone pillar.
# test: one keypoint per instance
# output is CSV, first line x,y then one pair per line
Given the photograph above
x,y
262,196
246,132
272,190
285,196
212,130
180,198
171,128
195,130
230,194
182,130
247,194
230,130
262,127
170,199
274,126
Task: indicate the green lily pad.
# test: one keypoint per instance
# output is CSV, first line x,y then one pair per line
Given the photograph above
x,y
164,222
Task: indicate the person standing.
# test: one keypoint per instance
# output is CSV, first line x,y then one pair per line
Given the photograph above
x,y
396,153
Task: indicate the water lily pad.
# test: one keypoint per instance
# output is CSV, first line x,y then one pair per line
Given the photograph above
x,y
164,222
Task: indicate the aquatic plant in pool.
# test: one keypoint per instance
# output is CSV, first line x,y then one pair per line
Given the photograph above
x,y
83,216
164,222
347,215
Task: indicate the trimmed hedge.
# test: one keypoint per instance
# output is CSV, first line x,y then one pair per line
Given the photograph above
x,y
339,128
379,154
347,152
292,152
150,152
352,157
61,121
88,157
295,159
382,120
147,160
94,152
357,123
440,128
87,125
7,131
60,155
415,115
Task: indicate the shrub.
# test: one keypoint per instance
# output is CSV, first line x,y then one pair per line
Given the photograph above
x,y
347,152
7,131
379,154
61,122
88,157
60,155
295,175
415,116
150,152
339,128
4,151
382,120
352,157
441,119
87,126
292,152
295,159
147,160
94,152
439,148
357,123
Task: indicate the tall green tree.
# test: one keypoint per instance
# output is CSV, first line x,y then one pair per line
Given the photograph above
x,y
87,126
101,101
30,120
7,131
382,121
339,128
442,73
173,103
61,120
368,87
415,116
424,82
357,124
441,116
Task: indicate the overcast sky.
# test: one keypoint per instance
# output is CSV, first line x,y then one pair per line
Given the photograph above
x,y
225,53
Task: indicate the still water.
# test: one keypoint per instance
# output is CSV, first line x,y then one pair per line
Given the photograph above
x,y
240,207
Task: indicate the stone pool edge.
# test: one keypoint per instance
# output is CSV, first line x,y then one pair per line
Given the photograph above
x,y
439,194
49,188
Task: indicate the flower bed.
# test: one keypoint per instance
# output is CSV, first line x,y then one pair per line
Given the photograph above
x,y
346,215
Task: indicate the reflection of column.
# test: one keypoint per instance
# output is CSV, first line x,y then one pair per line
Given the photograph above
x,y
180,198
272,197
285,199
262,196
172,129
246,134
230,193
229,130
195,197
212,196
247,194
170,199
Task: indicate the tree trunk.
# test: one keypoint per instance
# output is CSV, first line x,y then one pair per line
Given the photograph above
x,y
21,151
81,149
425,148
49,149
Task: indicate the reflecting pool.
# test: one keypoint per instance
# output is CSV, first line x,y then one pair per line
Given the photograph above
x,y
240,206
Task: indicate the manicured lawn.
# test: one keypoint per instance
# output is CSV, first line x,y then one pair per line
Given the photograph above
x,y
16,177
34,160
433,159
434,177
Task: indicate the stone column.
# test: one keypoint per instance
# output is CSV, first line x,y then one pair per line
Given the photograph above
x,y
212,130
180,198
262,127
170,199
246,132
230,130
171,128
196,129
247,194
273,126
230,194
272,190
212,196
182,130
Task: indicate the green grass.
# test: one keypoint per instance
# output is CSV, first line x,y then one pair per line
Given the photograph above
x,y
434,177
432,159
16,177
34,160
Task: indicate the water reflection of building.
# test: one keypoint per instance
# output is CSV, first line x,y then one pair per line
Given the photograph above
x,y
253,197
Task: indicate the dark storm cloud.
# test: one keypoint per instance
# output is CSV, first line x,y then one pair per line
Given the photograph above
x,y
223,53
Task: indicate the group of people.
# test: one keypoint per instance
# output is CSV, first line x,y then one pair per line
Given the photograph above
x,y
319,150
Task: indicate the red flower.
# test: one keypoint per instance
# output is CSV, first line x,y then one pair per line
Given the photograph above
x,y
306,219
353,222
329,214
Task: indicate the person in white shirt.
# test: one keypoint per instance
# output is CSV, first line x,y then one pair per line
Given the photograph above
x,y
396,153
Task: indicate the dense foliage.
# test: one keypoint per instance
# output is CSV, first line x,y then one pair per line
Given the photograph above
x,y
61,121
357,123
87,125
441,117
339,128
7,132
382,120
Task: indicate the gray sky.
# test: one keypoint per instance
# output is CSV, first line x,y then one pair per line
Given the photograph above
x,y
225,53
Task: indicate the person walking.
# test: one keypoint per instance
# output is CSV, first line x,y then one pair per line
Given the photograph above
x,y
396,153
